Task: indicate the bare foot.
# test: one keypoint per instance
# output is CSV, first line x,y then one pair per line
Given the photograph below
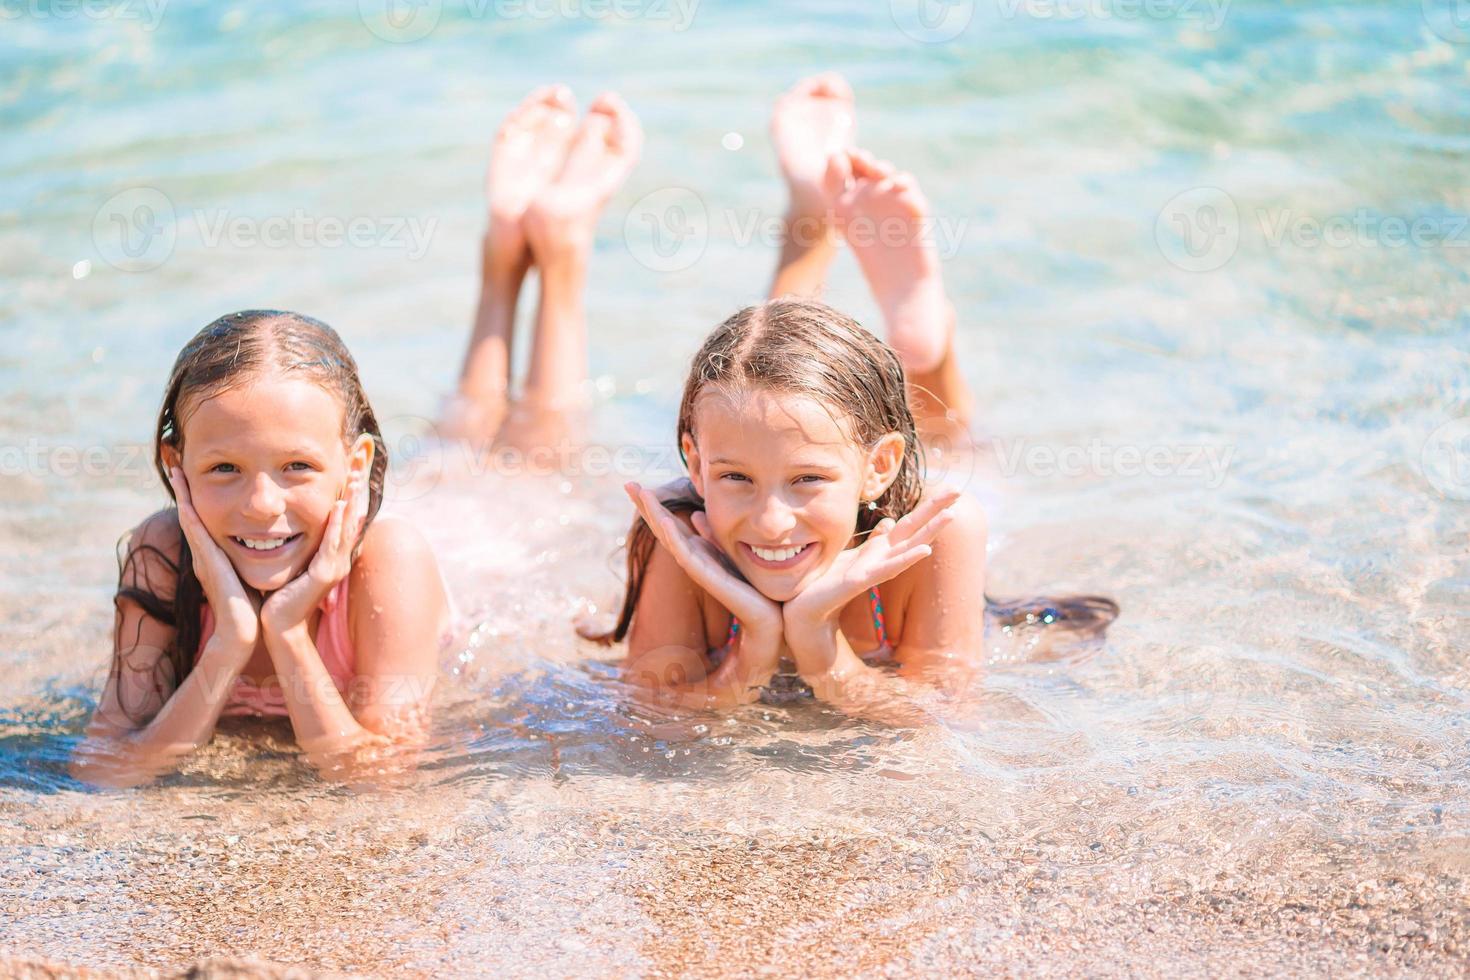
x,y
530,150
885,218
814,119
564,213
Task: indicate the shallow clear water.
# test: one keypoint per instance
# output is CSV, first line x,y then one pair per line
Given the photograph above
x,y
1211,276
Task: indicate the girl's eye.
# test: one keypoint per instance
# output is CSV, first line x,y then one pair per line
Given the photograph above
x,y
810,478
300,467
223,468
736,477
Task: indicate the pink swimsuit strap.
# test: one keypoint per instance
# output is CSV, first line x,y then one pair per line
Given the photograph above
x,y
333,642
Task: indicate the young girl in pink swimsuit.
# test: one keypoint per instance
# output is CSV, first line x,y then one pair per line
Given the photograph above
x,y
269,589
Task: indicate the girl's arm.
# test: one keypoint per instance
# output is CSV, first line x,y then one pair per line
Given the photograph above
x,y
398,609
930,547
668,652
943,640
667,645
120,748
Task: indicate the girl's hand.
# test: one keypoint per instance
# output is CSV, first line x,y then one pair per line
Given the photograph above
x,y
890,548
293,603
708,566
236,610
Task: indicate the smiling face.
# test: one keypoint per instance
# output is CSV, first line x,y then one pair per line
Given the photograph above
x,y
782,482
265,462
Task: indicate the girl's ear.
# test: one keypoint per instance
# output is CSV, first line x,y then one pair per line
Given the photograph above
x,y
171,457
360,458
885,461
691,462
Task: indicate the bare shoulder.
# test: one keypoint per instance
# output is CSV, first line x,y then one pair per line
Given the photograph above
x,y
956,550
396,591
395,545
969,526
149,555
159,531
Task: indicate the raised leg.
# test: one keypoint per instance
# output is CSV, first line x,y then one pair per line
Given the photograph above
x,y
810,122
885,217
530,150
560,225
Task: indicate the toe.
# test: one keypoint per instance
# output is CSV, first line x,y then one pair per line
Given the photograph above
x,y
624,131
865,166
806,87
558,96
832,85
838,176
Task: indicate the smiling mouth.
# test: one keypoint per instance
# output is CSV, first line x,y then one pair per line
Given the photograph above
x,y
267,546
778,558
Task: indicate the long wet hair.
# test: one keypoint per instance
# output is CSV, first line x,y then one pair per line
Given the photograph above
x,y
803,347
232,351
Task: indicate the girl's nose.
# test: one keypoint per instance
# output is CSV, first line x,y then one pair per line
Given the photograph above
x,y
266,501
773,519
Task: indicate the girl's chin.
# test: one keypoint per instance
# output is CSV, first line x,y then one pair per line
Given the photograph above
x,y
265,581
778,588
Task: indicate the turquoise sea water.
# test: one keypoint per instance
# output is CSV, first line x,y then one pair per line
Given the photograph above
x,y
1212,267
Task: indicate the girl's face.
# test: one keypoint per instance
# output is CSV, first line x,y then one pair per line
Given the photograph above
x,y
265,463
782,481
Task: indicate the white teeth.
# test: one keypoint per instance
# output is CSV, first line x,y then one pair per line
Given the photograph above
x,y
263,544
777,554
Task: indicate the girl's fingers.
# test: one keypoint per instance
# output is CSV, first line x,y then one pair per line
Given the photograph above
x,y
893,564
331,540
364,500
665,526
701,526
921,515
354,511
188,520
929,530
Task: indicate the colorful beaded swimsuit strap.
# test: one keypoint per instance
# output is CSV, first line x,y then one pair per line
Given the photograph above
x,y
875,606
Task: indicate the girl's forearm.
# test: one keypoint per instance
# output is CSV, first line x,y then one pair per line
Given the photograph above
x,y
184,723
747,670
323,723
735,682
839,677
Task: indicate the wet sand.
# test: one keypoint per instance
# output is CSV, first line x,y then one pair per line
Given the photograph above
x,y
880,874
